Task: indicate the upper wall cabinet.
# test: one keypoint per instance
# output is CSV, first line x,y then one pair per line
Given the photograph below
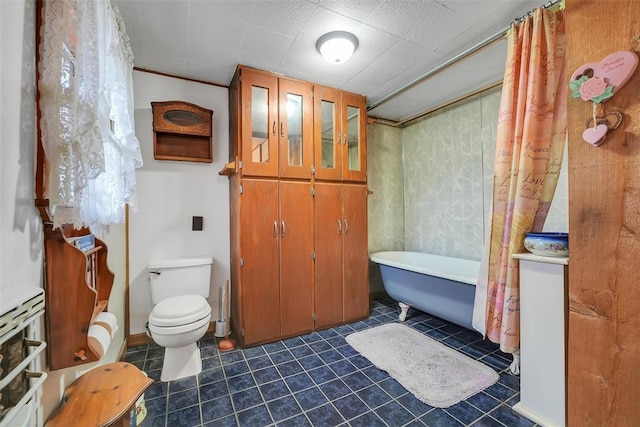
x,y
181,131
340,135
272,123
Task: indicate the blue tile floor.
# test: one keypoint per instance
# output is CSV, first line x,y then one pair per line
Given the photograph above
x,y
319,380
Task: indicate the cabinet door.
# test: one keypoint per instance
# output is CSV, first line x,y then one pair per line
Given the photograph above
x,y
259,251
355,252
296,247
354,134
259,100
327,133
295,128
328,236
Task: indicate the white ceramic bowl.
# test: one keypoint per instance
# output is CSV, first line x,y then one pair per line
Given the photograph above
x,y
547,244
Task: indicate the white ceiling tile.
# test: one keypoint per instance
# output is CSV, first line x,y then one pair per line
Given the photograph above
x,y
398,108
168,15
502,17
322,21
214,28
256,61
409,75
285,17
403,17
303,54
477,9
173,43
265,43
393,61
167,64
213,55
239,10
372,43
488,58
358,10
438,27
208,73
309,65
400,41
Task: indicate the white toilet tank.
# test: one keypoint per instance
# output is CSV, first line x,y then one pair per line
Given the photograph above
x,y
179,276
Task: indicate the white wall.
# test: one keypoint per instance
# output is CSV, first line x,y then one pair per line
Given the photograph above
x,y
21,247
171,192
20,226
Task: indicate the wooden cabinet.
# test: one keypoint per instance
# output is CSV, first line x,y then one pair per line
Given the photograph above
x,y
341,265
296,257
275,123
182,131
276,247
299,257
340,128
257,287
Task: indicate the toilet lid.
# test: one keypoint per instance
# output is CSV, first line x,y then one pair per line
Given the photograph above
x,y
181,310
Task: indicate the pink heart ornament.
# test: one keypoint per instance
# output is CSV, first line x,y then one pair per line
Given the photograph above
x,y
616,68
595,136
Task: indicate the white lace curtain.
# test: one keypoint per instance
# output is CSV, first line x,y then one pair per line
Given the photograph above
x,y
86,101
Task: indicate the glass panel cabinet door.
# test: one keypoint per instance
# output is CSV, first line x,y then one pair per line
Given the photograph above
x,y
295,132
327,133
354,166
294,146
353,138
328,157
259,124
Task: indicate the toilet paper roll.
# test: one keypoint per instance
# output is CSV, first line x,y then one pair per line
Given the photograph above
x,y
98,339
108,321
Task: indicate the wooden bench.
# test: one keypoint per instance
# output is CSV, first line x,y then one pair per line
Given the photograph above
x,y
103,396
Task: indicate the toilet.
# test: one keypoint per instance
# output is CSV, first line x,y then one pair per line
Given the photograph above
x,y
181,313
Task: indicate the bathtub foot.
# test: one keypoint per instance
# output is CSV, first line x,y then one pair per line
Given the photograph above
x,y
515,365
403,311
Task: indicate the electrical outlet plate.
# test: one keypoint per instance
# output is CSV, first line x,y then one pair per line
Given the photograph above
x,y
196,223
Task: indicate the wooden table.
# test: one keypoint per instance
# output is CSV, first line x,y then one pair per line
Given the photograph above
x,y
101,397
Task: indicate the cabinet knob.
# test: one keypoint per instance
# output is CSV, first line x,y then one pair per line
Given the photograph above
x,y
80,354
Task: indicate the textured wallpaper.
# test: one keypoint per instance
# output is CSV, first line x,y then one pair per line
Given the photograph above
x,y
385,181
435,177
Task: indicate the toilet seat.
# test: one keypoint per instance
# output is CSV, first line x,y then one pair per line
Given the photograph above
x,y
172,331
182,310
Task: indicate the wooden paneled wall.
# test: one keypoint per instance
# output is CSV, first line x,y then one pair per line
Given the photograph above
x,y
604,229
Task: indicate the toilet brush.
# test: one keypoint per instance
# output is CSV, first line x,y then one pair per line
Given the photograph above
x,y
221,324
226,343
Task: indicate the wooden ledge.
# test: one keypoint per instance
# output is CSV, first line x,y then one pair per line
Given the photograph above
x,y
229,169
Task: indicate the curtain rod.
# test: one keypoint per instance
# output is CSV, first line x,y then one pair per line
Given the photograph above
x,y
486,42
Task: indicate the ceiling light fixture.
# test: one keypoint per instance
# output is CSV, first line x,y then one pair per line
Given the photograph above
x,y
337,46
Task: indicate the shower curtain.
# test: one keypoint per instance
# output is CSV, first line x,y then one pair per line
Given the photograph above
x,y
531,134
